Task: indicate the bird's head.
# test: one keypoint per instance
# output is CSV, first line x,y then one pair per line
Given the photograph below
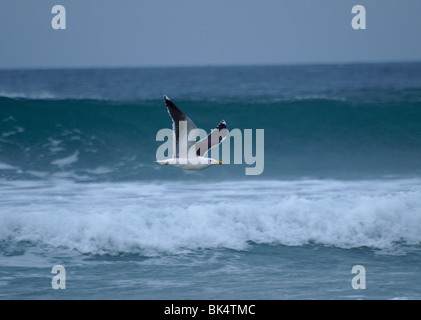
x,y
213,161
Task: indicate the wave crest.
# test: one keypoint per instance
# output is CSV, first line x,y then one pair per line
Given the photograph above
x,y
173,218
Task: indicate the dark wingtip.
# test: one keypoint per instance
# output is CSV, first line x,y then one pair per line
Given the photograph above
x,y
222,125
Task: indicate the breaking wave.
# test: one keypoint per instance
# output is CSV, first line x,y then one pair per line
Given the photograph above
x,y
115,218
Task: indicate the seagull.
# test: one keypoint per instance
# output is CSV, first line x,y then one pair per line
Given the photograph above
x,y
182,126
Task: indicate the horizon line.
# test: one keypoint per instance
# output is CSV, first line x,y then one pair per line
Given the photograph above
x,y
181,66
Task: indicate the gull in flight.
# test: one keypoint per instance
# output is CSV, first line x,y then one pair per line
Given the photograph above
x,y
182,126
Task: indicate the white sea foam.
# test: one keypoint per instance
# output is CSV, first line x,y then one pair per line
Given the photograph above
x,y
11,118
54,145
11,133
5,166
43,95
151,218
99,171
64,162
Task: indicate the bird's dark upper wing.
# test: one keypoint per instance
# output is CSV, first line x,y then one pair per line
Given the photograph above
x,y
214,138
181,132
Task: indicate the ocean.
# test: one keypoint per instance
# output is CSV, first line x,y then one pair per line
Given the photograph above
x,y
341,186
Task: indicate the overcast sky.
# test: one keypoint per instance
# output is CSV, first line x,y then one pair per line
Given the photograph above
x,y
125,33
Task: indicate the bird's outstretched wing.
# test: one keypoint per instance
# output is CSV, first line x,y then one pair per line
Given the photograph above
x,y
181,132
214,138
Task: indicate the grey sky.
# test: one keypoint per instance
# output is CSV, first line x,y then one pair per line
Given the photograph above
x,y
111,33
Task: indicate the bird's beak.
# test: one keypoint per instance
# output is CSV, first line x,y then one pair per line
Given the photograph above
x,y
219,162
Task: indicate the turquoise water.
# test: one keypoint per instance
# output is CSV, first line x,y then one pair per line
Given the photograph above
x,y
341,185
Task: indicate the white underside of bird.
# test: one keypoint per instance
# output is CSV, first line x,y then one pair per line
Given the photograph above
x,y
199,163
182,126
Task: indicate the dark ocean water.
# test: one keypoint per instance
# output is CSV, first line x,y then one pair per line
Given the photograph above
x,y
341,184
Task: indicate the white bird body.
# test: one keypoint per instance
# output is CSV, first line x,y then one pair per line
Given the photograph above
x,y
200,163
182,126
